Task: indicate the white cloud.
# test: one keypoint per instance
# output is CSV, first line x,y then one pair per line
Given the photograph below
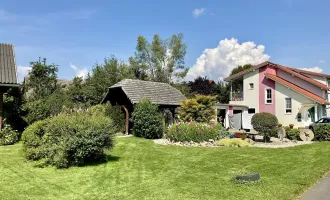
x,y
22,71
314,69
79,72
218,62
198,12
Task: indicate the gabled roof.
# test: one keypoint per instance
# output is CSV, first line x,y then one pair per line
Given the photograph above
x,y
8,72
310,72
306,78
292,71
297,89
241,73
158,93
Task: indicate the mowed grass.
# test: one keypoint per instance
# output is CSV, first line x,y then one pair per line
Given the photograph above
x,y
140,169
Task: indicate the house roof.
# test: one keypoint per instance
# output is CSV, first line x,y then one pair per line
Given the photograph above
x,y
241,73
297,89
306,78
8,72
310,72
293,71
158,93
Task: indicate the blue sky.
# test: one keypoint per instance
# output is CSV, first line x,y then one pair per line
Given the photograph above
x,y
76,34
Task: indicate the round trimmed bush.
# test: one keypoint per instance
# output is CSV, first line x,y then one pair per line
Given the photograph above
x,y
148,121
265,123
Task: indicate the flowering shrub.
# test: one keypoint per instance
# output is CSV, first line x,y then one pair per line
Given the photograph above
x,y
192,131
8,136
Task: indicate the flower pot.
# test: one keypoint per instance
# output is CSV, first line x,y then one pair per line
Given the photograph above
x,y
291,127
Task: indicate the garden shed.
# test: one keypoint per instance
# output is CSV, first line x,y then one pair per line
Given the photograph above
x,y
129,92
8,73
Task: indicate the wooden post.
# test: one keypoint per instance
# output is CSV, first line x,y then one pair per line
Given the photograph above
x,y
1,109
127,120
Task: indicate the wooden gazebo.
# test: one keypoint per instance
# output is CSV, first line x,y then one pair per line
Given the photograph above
x,y
8,73
129,92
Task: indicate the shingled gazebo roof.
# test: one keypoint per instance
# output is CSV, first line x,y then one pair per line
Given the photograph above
x,y
8,72
158,93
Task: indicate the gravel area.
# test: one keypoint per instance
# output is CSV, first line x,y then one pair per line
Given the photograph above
x,y
281,144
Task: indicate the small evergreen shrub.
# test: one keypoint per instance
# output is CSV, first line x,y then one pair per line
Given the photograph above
x,y
200,109
265,124
224,134
147,120
192,131
235,142
322,132
8,136
69,140
292,133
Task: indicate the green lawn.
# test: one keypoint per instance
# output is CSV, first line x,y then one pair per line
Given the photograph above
x,y
139,169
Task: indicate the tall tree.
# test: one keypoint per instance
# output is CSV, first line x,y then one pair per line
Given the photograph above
x,y
162,60
202,85
240,68
103,76
223,92
42,80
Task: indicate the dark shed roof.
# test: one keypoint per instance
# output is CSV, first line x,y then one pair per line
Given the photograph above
x,y
8,72
158,93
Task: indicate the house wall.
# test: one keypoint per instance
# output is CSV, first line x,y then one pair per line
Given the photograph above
x,y
265,83
251,97
317,78
297,81
283,92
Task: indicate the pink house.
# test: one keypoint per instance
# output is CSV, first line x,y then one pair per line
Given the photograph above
x,y
295,96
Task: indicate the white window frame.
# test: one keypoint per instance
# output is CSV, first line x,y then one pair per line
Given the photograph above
x,y
285,106
266,98
251,88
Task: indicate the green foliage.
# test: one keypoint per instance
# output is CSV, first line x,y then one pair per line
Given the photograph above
x,y
234,142
202,85
223,92
102,77
147,120
192,131
51,105
240,68
292,134
12,106
8,136
113,112
69,140
265,124
224,134
42,80
199,109
154,62
322,132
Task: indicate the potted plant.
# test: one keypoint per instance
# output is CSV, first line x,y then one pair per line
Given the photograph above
x,y
291,126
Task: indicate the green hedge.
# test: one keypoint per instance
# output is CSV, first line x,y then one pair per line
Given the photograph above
x,y
148,122
192,131
322,132
69,140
